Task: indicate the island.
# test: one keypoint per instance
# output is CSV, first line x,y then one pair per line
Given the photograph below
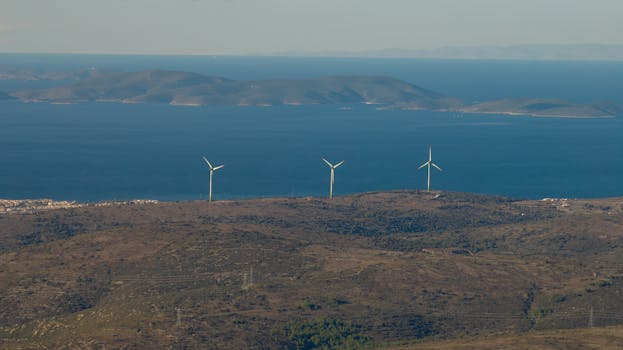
x,y
539,107
192,89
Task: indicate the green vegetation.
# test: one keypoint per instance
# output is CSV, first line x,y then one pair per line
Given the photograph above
x,y
605,283
557,298
540,312
308,305
324,334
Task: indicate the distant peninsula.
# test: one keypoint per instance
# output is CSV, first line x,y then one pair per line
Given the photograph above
x,y
192,89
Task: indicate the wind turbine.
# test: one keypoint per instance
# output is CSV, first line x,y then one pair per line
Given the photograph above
x,y
212,170
429,164
333,167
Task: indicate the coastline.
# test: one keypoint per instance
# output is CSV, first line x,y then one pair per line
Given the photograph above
x,y
23,206
29,206
385,108
537,115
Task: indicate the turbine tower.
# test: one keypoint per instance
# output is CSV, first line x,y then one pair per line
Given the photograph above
x,y
212,170
429,164
333,167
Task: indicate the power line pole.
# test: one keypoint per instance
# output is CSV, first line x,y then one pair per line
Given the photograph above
x,y
251,276
247,279
591,318
178,323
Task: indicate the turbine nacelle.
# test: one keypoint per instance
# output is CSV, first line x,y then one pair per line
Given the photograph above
x,y
332,180
429,164
212,168
331,165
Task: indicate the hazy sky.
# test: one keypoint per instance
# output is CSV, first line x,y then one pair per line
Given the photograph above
x,y
268,26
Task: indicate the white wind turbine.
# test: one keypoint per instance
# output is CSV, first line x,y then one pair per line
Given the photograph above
x,y
429,164
212,170
333,167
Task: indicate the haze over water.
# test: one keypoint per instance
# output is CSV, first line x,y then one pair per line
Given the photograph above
x,y
98,151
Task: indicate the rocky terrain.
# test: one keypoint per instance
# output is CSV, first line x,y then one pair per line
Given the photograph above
x,y
396,270
36,205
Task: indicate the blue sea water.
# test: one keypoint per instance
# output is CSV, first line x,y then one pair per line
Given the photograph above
x,y
100,151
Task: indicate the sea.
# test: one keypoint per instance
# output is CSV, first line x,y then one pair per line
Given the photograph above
x,y
105,151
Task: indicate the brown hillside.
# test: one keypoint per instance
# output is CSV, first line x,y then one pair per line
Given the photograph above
x,y
374,270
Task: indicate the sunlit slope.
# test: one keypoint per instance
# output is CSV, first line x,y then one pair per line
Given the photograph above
x,y
194,89
374,269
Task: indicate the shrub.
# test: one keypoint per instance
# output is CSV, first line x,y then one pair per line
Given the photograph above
x,y
323,334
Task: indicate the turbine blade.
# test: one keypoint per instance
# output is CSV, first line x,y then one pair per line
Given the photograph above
x,y
423,165
207,161
328,163
435,165
219,167
338,164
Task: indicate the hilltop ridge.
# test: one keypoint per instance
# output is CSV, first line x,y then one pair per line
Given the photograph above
x,y
182,88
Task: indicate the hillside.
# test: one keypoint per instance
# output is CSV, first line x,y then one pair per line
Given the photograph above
x,y
603,338
376,269
541,108
24,74
191,89
183,88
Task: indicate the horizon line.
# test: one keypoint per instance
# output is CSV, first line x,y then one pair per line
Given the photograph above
x,y
396,53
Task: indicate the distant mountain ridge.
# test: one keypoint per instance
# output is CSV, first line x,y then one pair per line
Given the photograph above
x,y
23,74
192,89
183,88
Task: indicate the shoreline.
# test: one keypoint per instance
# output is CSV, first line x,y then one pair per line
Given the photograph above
x,y
264,105
23,206
537,115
